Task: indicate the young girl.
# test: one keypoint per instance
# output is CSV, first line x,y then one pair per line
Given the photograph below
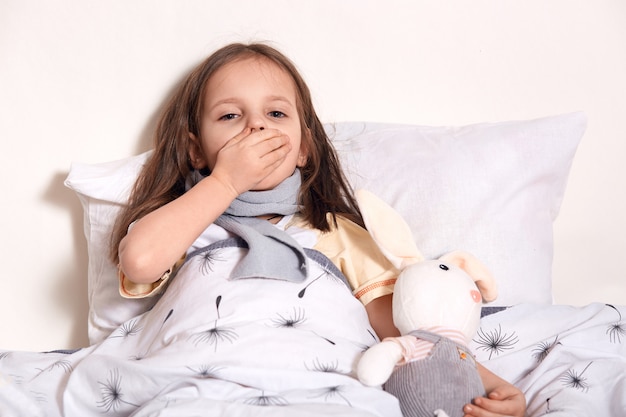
x,y
246,119
243,213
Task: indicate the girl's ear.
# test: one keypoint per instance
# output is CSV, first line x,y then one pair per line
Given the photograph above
x,y
303,155
196,156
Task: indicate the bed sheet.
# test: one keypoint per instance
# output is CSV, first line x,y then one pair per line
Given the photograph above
x,y
208,348
569,361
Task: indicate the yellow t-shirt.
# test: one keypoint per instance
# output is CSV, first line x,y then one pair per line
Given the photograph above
x,y
354,252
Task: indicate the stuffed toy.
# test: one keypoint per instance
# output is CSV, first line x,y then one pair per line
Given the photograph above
x,y
436,308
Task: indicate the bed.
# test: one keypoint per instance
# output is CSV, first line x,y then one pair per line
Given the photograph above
x,y
493,189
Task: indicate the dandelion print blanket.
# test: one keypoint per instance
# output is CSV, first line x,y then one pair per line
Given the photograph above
x,y
569,361
213,347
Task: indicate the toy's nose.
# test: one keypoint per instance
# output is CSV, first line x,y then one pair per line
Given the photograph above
x,y
476,296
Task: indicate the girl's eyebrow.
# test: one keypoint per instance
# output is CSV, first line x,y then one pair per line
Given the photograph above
x,y
280,98
224,101
234,100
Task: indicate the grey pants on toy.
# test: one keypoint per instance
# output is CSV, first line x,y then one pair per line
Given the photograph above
x,y
447,380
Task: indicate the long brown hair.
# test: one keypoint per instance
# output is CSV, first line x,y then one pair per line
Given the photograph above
x,y
324,187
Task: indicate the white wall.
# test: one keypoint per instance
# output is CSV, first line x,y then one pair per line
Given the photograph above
x,y
84,80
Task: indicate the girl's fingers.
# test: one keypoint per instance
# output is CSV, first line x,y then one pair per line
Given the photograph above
x,y
258,136
268,145
275,145
259,143
238,137
485,407
249,157
269,139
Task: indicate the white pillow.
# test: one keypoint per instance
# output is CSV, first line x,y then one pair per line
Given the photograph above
x,y
492,189
103,189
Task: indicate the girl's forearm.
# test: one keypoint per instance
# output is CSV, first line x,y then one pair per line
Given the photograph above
x,y
490,380
380,317
156,241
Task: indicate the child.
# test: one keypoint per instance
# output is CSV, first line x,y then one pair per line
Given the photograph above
x,y
245,187
246,119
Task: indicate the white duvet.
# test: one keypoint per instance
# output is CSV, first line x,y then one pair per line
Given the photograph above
x,y
213,347
569,361
208,348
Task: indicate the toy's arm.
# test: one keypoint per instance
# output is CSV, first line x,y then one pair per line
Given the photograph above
x,y
378,362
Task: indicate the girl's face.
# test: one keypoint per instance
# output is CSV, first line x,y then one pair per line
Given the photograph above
x,y
251,93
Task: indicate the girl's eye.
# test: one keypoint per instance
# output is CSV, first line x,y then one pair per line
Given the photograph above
x,y
277,114
229,116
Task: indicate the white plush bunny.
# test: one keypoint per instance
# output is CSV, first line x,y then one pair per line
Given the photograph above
x,y
436,308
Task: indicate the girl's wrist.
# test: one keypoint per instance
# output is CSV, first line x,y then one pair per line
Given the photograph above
x,y
228,190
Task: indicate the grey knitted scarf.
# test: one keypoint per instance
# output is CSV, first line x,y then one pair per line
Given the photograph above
x,y
272,253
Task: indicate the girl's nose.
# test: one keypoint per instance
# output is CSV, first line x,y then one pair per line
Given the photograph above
x,y
256,123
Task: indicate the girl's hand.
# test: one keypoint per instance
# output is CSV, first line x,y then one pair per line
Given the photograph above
x,y
248,158
503,401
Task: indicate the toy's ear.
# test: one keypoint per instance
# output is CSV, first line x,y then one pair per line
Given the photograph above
x,y
483,278
389,230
